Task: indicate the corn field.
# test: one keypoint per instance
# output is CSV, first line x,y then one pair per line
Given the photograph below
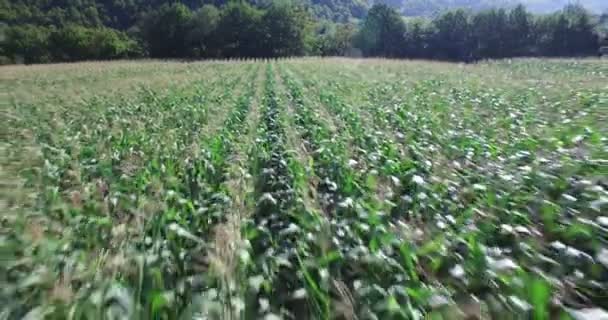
x,y
305,189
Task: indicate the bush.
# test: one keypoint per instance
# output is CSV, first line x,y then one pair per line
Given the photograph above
x,y
26,44
80,43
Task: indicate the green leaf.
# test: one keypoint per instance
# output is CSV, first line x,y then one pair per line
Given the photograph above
x,y
540,294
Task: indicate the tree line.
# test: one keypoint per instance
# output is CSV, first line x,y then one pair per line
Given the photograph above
x,y
494,33
278,29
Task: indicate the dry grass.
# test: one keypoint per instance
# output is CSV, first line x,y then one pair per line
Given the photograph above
x,y
74,82
227,241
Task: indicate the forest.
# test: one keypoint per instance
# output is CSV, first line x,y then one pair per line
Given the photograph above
x,y
42,31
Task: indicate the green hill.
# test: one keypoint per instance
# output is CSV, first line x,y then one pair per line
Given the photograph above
x,y
432,7
122,14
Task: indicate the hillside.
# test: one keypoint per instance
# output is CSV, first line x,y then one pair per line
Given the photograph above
x,y
122,14
546,6
432,7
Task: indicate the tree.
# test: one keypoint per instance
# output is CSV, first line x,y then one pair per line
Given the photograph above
x,y
581,39
202,29
567,33
417,39
558,45
382,32
489,32
238,30
452,39
602,29
285,30
165,30
337,40
73,42
26,43
391,3
108,43
518,38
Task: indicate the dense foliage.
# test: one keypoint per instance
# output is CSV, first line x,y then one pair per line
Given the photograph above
x,y
55,30
495,33
434,7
